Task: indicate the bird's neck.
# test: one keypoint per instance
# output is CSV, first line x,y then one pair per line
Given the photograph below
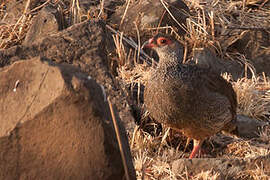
x,y
171,59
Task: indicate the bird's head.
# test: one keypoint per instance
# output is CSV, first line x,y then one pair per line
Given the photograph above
x,y
167,47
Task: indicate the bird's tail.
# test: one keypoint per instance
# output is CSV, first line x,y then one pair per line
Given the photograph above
x,y
231,128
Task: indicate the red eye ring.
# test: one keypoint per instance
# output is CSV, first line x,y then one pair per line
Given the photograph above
x,y
163,41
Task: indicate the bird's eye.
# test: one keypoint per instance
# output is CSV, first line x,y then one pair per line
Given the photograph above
x,y
162,41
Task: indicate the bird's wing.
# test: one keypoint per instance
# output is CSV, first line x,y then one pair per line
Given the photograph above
x,y
213,82
218,84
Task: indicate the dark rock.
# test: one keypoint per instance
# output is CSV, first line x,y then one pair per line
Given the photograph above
x,y
148,14
262,62
254,45
227,168
205,58
15,9
248,127
83,45
49,20
90,9
55,124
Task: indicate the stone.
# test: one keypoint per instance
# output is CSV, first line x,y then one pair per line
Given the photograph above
x,y
83,45
248,127
204,57
85,10
55,124
49,20
253,44
149,14
226,167
15,9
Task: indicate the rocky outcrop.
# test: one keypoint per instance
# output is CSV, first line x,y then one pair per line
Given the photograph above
x,y
55,124
227,168
150,14
14,9
248,127
207,59
82,45
49,20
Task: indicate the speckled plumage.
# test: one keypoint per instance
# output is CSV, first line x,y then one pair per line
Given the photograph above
x,y
193,100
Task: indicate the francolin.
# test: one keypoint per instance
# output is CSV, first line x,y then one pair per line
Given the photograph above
x,y
193,100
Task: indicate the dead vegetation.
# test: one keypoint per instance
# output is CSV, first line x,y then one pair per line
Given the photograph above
x,y
252,96
220,25
13,34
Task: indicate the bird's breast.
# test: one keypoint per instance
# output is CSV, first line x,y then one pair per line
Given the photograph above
x,y
163,99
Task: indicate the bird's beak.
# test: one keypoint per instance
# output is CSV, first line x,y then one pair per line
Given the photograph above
x,y
148,44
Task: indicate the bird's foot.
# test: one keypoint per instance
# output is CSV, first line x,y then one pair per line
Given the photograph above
x,y
196,149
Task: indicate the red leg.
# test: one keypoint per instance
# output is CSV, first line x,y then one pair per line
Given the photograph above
x,y
196,148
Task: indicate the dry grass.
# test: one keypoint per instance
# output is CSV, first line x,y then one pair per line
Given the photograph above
x,y
220,24
216,24
256,174
252,96
153,157
13,34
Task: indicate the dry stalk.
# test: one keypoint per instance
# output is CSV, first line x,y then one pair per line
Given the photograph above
x,y
169,12
125,12
257,174
120,49
119,140
132,44
12,34
139,42
75,12
101,8
39,7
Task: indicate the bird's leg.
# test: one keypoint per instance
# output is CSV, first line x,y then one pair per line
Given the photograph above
x,y
196,148
187,143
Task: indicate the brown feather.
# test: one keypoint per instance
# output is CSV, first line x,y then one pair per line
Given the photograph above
x,y
194,100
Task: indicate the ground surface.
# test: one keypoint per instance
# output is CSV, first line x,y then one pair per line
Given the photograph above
x,y
234,31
